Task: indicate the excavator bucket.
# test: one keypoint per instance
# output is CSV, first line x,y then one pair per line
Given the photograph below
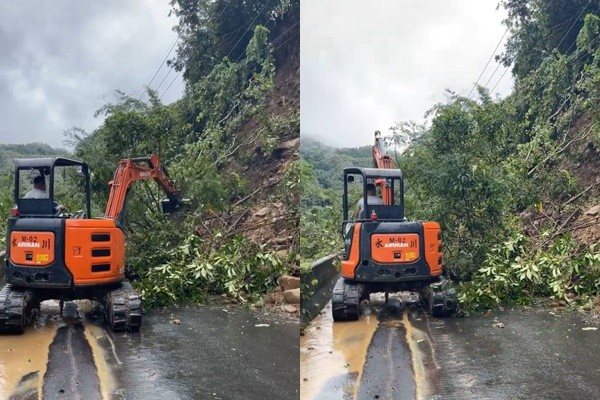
x,y
173,206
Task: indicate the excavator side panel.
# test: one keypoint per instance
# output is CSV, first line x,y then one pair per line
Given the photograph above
x,y
352,255
94,251
433,246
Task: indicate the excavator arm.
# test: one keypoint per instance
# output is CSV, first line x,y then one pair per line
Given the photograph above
x,y
135,169
383,161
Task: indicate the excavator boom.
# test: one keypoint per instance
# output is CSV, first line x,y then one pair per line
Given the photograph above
x,y
382,161
135,169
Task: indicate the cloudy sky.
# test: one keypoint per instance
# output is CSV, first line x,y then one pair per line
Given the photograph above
x,y
62,60
368,64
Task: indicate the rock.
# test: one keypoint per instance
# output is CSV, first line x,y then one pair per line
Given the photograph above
x,y
262,212
292,296
282,253
593,211
289,144
289,308
289,282
499,325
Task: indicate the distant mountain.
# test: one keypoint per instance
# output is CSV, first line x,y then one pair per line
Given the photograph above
x,y
328,162
9,152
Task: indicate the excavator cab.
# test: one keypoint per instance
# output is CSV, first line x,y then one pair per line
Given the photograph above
x,y
391,193
51,173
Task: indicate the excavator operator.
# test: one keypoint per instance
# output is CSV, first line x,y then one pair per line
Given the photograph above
x,y
372,200
40,191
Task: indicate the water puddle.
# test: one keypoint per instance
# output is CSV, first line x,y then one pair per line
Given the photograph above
x,y
332,356
23,360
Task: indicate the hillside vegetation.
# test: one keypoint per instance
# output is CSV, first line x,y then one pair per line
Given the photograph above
x,y
235,130
515,182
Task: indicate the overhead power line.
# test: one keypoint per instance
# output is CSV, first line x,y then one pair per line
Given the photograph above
x,y
159,67
555,48
488,63
275,48
249,26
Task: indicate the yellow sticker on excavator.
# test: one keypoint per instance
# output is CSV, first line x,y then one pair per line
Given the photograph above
x,y
41,257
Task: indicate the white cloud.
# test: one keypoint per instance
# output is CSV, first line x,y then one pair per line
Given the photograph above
x,y
61,61
366,65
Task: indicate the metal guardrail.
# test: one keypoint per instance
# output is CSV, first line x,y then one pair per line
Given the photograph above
x,y
2,254
314,297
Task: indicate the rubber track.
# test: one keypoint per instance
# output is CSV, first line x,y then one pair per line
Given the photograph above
x,y
124,309
345,302
12,307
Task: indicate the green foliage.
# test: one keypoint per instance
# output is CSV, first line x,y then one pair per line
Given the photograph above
x,y
6,203
211,31
457,175
541,26
320,216
194,271
516,271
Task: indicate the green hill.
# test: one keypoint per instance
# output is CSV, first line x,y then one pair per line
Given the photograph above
x,y
9,152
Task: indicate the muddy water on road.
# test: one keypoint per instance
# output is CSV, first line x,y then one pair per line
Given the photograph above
x,y
382,355
522,353
23,362
332,356
58,357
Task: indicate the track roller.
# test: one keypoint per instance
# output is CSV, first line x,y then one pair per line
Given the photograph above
x,y
16,306
123,309
345,301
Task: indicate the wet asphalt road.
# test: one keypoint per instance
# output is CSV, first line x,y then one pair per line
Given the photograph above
x,y
396,351
188,352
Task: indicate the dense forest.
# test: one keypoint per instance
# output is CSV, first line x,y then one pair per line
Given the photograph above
x,y
235,130
321,201
514,182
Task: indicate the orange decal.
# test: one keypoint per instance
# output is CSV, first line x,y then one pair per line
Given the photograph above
x,y
395,248
34,249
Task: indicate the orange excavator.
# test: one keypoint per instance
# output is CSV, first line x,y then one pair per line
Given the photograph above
x,y
55,255
383,252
